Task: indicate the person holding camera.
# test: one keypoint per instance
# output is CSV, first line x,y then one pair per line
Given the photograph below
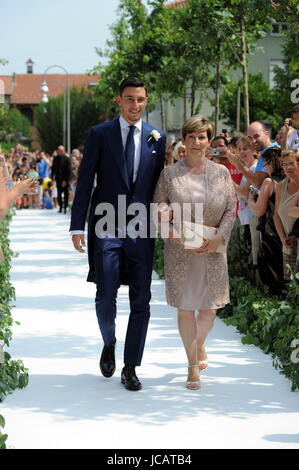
x,y
259,138
219,152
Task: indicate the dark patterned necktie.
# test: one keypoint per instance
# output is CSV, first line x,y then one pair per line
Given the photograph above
x,y
130,154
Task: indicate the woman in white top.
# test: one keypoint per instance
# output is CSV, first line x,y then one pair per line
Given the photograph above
x,y
247,154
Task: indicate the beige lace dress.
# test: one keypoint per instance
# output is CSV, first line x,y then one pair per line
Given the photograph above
x,y
195,281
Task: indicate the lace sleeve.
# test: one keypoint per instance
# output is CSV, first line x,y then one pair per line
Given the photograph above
x,y
229,215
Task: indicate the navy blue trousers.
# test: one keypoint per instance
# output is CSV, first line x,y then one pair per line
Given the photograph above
x,y
109,256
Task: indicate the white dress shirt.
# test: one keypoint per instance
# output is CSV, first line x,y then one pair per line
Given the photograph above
x,y
125,129
293,140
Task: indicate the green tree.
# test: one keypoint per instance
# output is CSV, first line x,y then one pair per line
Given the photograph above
x,y
142,44
85,112
11,122
178,48
262,103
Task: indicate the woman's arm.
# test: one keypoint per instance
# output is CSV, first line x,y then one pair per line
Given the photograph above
x,y
229,214
276,218
8,196
242,190
259,206
256,178
163,212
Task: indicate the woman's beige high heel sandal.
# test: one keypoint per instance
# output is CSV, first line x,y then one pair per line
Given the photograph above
x,y
193,384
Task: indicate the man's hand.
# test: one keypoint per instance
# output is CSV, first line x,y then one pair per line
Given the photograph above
x,y
78,242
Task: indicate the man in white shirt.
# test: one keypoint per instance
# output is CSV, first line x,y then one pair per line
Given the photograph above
x,y
126,155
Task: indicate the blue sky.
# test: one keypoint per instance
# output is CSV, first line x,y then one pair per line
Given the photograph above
x,y
59,32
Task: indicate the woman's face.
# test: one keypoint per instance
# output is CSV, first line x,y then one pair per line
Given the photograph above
x,y
181,152
290,167
245,153
196,143
269,167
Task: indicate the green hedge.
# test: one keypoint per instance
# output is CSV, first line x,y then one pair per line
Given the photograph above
x,y
269,322
13,374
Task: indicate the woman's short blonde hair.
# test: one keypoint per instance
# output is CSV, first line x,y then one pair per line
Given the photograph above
x,y
293,153
243,139
198,123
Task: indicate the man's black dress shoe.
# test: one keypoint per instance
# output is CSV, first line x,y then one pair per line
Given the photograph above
x,y
107,361
129,378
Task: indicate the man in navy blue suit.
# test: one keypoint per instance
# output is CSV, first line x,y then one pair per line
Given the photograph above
x,y
126,156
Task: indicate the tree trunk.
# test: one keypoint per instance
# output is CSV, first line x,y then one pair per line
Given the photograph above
x,y
245,75
185,104
192,98
217,97
238,109
162,112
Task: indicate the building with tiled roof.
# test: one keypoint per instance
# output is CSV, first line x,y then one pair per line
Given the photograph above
x,y
176,4
22,91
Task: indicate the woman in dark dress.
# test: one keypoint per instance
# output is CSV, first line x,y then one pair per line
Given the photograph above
x,y
261,203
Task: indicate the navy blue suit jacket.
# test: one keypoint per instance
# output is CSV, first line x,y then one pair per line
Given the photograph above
x,y
104,157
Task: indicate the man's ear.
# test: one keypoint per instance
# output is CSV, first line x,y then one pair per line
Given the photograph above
x,y
117,100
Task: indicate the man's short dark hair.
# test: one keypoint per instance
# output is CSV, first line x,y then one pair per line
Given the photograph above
x,y
131,81
220,137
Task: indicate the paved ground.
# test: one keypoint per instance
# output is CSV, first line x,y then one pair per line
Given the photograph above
x,y
243,402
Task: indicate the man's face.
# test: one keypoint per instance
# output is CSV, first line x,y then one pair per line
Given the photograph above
x,y
60,150
132,102
258,137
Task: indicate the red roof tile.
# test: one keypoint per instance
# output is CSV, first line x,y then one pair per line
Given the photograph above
x,y
27,86
176,4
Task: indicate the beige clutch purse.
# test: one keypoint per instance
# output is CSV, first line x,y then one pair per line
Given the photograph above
x,y
195,234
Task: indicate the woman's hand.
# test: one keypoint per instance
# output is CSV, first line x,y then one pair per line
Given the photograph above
x,y
289,242
25,185
165,214
175,239
233,159
210,245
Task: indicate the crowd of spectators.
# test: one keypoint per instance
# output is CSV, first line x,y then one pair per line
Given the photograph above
x,y
265,174
55,176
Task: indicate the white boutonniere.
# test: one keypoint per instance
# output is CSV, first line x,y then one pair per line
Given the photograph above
x,y
154,135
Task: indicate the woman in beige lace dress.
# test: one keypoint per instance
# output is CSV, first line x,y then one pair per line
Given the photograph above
x,y
197,279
